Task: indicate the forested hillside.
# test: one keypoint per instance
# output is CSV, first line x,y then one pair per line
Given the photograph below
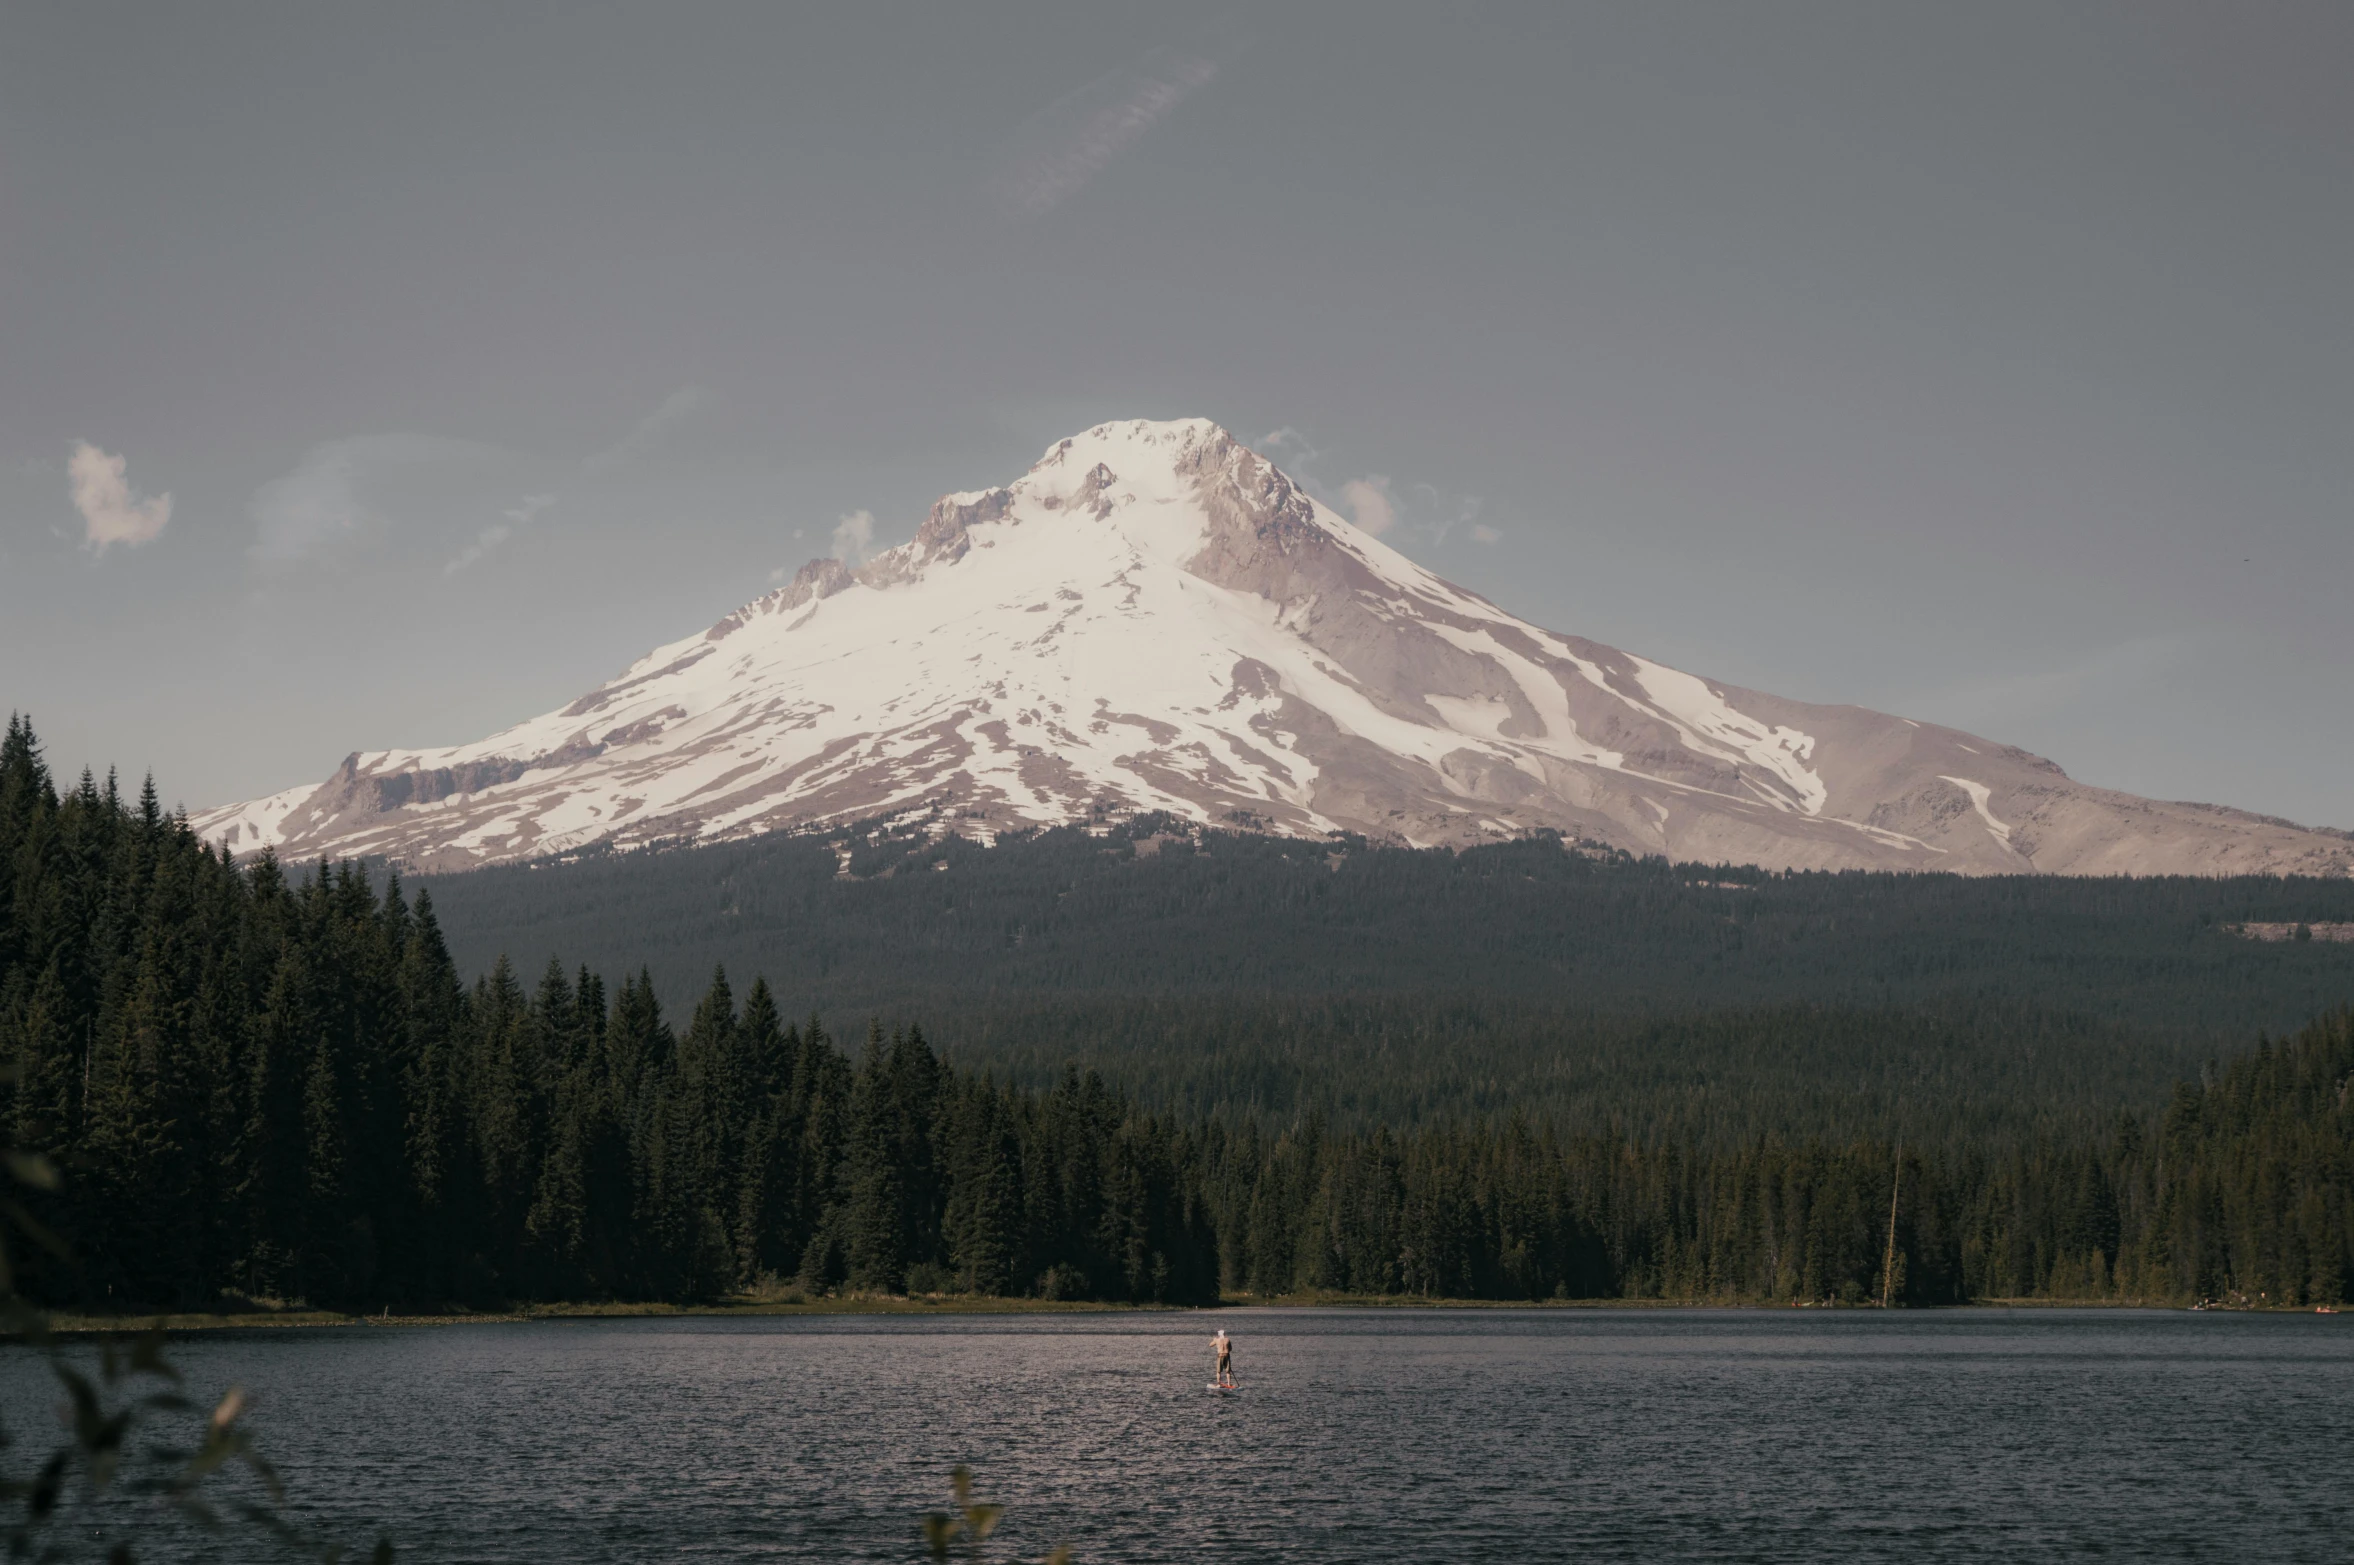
x,y
278,1086
1224,975
880,916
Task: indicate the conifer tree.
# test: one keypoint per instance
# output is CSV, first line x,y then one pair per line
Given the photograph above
x,y
874,1220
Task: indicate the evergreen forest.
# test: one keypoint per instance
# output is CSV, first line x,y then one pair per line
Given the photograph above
x,y
892,913
276,1084
1230,976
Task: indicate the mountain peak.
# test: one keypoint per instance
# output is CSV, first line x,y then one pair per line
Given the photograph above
x,y
1154,617
1188,463
1164,440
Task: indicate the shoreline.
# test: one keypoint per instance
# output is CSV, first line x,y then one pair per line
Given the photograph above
x,y
88,1325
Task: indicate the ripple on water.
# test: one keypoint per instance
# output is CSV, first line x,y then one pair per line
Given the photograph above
x,y
1373,1435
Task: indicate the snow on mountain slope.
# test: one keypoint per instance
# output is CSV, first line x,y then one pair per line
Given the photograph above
x,y
1155,618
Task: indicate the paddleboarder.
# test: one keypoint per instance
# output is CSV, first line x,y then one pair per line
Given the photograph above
x,y
1223,1346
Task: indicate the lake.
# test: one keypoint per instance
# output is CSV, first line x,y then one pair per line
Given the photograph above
x,y
1357,1435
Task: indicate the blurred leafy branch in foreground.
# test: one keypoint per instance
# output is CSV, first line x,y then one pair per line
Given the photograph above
x,y
969,1526
121,1476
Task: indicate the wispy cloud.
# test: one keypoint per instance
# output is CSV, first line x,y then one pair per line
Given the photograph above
x,y
1369,502
433,490
112,512
1439,515
312,508
517,517
649,431
1064,145
323,504
1289,450
854,537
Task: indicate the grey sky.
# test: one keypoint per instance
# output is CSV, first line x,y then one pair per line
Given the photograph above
x,y
1988,364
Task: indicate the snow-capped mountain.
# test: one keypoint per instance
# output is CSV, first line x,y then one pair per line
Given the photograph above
x,y
1155,618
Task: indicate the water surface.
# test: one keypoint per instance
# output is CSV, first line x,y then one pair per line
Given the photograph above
x,y
1372,1435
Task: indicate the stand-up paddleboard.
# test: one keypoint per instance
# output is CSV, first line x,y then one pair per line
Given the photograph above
x,y
1214,1386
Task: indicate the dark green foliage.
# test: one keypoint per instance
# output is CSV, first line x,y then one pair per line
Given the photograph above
x,y
2242,1189
1226,975
1142,912
283,1088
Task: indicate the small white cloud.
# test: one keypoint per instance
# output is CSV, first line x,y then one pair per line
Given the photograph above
x,y
519,515
1483,533
1070,141
112,512
854,537
1370,503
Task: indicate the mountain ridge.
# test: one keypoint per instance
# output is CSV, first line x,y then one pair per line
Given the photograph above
x,y
1156,618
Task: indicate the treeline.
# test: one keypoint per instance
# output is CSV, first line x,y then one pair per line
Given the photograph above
x,y
2242,1189
280,1088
